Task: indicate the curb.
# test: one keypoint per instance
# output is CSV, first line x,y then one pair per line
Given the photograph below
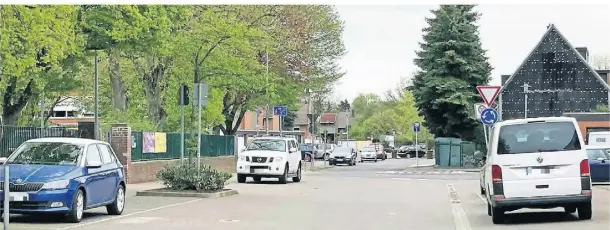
x,y
171,193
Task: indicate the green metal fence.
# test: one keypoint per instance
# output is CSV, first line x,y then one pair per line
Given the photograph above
x,y
13,136
211,146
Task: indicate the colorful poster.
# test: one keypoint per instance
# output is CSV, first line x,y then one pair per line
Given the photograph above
x,y
148,142
160,144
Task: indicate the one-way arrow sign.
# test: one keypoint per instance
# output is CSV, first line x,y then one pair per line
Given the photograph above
x,y
488,93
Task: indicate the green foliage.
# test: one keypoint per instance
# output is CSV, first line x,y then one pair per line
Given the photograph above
x,y
602,108
147,51
374,117
452,63
186,177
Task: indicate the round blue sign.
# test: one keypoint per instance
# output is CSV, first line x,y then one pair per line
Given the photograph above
x,y
489,116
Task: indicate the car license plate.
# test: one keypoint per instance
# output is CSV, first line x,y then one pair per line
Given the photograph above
x,y
19,196
339,159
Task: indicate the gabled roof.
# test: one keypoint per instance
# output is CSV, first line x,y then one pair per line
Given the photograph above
x,y
552,28
328,118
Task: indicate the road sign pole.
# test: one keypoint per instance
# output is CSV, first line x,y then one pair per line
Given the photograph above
x,y
486,136
416,151
199,136
6,211
281,124
182,134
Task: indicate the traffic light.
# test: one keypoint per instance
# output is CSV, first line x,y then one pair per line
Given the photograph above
x,y
183,95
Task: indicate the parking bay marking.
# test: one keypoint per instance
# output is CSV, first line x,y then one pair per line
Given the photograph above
x,y
459,215
130,214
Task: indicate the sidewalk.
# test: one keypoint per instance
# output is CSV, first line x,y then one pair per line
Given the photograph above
x,y
318,165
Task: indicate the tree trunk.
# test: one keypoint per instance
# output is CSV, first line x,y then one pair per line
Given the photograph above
x,y
152,89
119,91
13,103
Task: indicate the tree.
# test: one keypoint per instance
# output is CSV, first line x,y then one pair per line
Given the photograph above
x,y
344,106
451,64
601,62
37,43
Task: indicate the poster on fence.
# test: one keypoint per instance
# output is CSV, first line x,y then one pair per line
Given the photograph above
x,y
160,144
148,142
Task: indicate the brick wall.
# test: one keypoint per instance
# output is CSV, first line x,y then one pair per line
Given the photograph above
x,y
145,171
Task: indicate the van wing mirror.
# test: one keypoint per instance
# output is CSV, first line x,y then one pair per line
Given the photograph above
x,y
292,150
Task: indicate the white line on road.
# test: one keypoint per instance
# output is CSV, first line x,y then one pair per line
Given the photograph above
x,y
459,215
130,214
482,198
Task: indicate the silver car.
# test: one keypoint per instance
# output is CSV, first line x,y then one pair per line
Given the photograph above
x,y
368,154
343,155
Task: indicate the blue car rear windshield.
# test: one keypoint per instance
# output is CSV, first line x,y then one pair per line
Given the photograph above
x,y
46,153
538,137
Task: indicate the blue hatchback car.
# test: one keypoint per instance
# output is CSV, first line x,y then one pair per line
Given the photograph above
x,y
64,176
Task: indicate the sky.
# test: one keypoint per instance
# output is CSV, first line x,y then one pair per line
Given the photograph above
x,y
381,40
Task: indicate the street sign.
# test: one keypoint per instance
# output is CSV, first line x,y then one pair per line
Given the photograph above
x,y
489,93
281,111
416,126
489,116
478,109
200,94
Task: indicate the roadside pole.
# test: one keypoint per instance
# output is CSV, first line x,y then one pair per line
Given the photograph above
x,y
183,96
416,128
201,92
6,211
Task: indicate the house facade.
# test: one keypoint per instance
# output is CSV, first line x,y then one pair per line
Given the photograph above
x,y
560,81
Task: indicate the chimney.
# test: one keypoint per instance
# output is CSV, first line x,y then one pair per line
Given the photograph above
x,y
504,78
584,52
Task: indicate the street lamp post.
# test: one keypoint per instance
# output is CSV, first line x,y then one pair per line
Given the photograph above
x,y
96,122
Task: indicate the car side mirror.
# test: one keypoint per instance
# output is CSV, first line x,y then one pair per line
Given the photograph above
x,y
3,159
292,150
93,164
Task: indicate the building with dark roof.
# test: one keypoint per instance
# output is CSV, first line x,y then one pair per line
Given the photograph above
x,y
560,81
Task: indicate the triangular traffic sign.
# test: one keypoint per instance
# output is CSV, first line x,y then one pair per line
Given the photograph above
x,y
489,93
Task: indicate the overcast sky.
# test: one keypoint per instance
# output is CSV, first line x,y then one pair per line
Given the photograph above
x,y
381,40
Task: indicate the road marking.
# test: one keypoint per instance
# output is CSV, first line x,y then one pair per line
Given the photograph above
x,y
482,198
457,210
130,214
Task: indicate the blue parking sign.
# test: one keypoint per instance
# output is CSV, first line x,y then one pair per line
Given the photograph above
x,y
416,126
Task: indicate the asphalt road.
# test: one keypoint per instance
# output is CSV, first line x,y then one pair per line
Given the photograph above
x,y
368,196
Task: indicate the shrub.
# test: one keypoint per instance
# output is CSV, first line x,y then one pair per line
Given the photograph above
x,y
185,177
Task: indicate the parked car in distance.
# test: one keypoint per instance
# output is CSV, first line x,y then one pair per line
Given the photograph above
x,y
64,176
343,155
270,157
323,151
599,163
368,154
307,151
537,163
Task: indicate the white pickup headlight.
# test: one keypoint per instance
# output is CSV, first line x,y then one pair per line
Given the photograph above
x,y
58,184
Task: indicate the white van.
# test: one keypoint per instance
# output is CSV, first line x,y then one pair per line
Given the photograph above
x,y
599,138
537,163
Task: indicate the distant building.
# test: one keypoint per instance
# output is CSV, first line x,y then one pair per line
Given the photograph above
x,y
560,81
68,112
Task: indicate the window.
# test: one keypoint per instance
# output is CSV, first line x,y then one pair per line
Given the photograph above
x,y
93,154
70,113
50,153
268,144
538,137
595,154
107,157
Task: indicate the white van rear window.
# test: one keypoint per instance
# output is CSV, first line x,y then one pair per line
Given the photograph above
x,y
538,137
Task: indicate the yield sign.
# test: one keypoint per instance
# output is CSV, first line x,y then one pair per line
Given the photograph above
x,y
488,93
